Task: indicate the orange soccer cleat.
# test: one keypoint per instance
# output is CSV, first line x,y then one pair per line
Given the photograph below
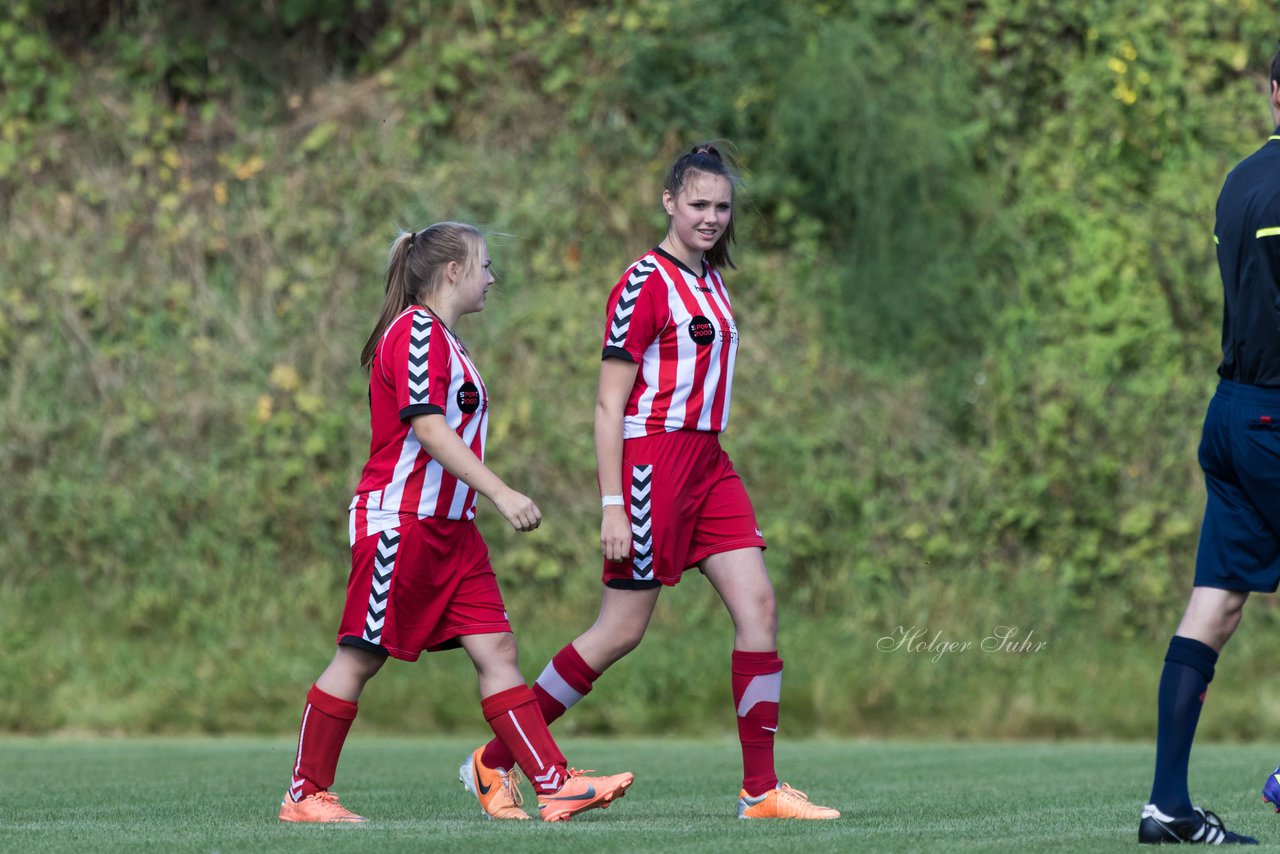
x,y
581,793
782,802
497,790
319,807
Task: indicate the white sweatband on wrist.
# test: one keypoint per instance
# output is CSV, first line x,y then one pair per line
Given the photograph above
x,y
611,501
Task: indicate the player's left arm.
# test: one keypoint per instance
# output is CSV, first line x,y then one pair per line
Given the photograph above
x,y
447,448
1267,235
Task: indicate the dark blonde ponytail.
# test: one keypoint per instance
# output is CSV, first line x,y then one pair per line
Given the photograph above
x,y
415,268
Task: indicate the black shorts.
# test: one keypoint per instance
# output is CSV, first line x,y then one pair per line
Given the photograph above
x,y
1240,454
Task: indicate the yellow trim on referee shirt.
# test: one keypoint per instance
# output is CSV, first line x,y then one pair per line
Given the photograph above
x,y
1215,240
1268,232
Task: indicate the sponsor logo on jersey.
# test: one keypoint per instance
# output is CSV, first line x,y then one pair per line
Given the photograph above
x,y
468,398
701,330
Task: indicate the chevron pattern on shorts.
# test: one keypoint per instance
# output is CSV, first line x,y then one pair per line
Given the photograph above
x,y
419,338
384,563
621,320
642,521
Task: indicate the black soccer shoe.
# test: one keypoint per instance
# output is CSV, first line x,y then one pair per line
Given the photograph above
x,y
1204,828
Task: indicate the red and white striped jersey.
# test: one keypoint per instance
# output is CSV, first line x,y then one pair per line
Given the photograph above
x,y
678,326
419,367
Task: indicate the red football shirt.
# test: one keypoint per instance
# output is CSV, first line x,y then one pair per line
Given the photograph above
x,y
678,326
419,367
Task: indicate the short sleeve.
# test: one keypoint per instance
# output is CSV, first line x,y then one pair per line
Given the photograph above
x,y
418,371
637,312
1268,237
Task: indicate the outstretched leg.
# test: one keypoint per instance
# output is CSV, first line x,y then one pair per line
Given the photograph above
x,y
1208,623
742,581
511,709
568,677
1211,618
326,720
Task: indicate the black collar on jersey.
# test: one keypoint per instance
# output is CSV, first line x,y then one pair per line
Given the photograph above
x,y
674,260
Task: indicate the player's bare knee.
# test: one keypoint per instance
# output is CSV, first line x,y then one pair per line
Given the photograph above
x,y
495,654
626,640
620,641
505,647
769,614
359,662
762,617
1230,621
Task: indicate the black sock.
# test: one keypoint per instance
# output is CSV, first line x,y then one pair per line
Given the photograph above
x,y
1188,670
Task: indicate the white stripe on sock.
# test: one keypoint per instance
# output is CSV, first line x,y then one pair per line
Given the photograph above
x,y
297,765
766,688
553,683
527,743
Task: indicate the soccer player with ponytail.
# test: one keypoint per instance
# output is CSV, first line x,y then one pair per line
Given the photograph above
x,y
420,572
671,500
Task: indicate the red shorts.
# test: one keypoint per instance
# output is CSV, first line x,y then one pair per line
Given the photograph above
x,y
421,586
685,501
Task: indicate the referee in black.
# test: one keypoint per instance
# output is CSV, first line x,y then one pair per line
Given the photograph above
x,y
1239,550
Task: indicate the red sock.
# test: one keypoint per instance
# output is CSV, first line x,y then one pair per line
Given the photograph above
x,y
514,716
757,687
564,681
325,723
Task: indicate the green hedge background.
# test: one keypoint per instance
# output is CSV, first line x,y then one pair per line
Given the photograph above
x,y
977,290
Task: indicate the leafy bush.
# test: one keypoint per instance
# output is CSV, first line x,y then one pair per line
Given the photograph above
x,y
976,289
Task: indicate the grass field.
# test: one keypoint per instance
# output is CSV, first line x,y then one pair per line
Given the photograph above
x,y
220,795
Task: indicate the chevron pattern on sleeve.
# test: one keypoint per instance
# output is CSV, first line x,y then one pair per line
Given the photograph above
x,y
642,522
384,563
621,320
419,339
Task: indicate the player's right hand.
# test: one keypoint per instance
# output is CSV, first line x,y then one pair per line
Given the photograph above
x,y
615,534
518,509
